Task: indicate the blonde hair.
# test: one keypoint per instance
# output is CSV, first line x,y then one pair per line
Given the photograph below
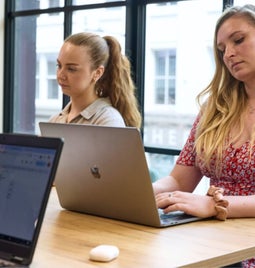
x,y
116,81
226,102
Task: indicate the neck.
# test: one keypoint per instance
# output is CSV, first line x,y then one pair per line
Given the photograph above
x,y
251,109
78,105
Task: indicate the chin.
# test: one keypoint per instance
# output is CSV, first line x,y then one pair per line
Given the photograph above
x,y
243,77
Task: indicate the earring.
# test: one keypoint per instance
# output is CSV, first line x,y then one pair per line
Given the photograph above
x,y
99,92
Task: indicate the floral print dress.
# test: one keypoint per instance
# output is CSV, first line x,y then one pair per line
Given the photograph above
x,y
238,170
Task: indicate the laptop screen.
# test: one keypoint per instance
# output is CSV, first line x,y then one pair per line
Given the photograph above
x,y
24,174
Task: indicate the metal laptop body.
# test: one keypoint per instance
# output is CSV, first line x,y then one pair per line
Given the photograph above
x,y
103,171
28,165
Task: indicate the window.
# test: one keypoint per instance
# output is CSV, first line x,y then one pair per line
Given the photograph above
x,y
165,77
46,83
169,44
86,2
101,21
179,47
242,2
53,3
183,66
52,82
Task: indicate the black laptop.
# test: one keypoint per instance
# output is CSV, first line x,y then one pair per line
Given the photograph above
x,y
28,165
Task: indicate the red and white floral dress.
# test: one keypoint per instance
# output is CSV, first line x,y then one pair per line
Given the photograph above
x,y
238,170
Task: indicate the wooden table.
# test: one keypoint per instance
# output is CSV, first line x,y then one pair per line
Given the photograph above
x,y
67,237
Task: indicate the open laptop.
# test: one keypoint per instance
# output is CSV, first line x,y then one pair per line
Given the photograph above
x,y
103,171
28,164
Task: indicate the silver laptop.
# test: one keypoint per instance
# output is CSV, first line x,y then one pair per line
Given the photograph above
x,y
27,170
103,171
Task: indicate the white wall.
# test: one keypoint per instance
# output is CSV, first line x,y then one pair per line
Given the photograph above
x,y
2,4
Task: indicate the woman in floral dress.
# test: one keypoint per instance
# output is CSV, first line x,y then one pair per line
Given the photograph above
x,y
221,144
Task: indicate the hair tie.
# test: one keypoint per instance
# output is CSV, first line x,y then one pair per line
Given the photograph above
x,y
221,204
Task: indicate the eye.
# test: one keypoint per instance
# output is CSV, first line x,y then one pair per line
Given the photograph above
x,y
239,40
72,69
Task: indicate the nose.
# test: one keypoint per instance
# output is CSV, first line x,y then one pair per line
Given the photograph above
x,y
61,74
229,52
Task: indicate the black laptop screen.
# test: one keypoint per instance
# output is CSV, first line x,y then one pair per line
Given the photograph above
x,y
24,174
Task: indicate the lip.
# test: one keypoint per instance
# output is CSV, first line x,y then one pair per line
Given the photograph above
x,y
235,64
62,85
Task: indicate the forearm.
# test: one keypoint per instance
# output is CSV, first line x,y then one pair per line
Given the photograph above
x,y
166,184
182,178
241,206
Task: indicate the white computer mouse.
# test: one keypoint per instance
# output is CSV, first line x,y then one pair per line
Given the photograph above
x,y
104,253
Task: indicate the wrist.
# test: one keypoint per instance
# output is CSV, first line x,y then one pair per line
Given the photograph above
x,y
156,188
220,204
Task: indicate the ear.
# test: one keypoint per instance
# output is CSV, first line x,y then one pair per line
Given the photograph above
x,y
98,73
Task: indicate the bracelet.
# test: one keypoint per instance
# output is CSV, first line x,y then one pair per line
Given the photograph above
x,y
221,204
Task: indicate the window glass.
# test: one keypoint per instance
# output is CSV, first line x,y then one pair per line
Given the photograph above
x,y
36,93
53,89
37,4
242,2
179,64
88,2
159,165
165,77
103,21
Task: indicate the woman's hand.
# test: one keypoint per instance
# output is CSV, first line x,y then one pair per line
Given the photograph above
x,y
202,206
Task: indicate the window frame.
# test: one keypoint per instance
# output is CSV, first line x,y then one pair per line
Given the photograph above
x,y
135,49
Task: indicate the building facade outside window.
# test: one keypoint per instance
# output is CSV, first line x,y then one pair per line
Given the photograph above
x,y
178,62
165,62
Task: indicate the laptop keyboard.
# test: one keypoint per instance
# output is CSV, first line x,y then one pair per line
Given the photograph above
x,y
6,264
173,217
